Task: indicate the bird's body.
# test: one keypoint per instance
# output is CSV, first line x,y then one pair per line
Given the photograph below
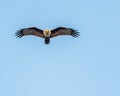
x,y
47,34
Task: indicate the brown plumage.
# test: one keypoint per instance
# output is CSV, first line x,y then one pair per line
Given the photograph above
x,y
47,34
64,31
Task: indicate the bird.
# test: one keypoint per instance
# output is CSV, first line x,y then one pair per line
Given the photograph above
x,y
47,34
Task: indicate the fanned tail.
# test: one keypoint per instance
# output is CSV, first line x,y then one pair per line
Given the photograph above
x,y
47,40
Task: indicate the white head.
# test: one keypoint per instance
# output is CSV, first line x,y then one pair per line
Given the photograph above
x,y
47,33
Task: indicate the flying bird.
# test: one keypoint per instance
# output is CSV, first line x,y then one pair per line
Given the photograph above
x,y
47,34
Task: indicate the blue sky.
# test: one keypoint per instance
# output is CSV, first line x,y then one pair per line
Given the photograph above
x,y
84,66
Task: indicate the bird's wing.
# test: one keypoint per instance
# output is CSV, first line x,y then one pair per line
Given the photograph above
x,y
64,31
29,31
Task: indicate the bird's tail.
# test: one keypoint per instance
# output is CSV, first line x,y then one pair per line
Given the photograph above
x,y
47,40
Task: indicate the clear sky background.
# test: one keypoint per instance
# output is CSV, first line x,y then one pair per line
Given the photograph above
x,y
84,66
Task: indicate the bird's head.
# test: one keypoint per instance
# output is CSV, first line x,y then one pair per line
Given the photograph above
x,y
47,33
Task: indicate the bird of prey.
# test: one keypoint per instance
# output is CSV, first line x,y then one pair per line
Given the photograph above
x,y
47,34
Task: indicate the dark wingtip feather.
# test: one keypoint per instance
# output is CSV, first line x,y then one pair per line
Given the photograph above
x,y
19,33
74,33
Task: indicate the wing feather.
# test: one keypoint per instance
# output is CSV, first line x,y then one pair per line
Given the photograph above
x,y
29,31
64,31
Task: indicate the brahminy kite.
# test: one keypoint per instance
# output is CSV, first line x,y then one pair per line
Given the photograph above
x,y
47,34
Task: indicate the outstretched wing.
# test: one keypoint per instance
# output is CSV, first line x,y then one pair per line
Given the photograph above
x,y
29,31
64,31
